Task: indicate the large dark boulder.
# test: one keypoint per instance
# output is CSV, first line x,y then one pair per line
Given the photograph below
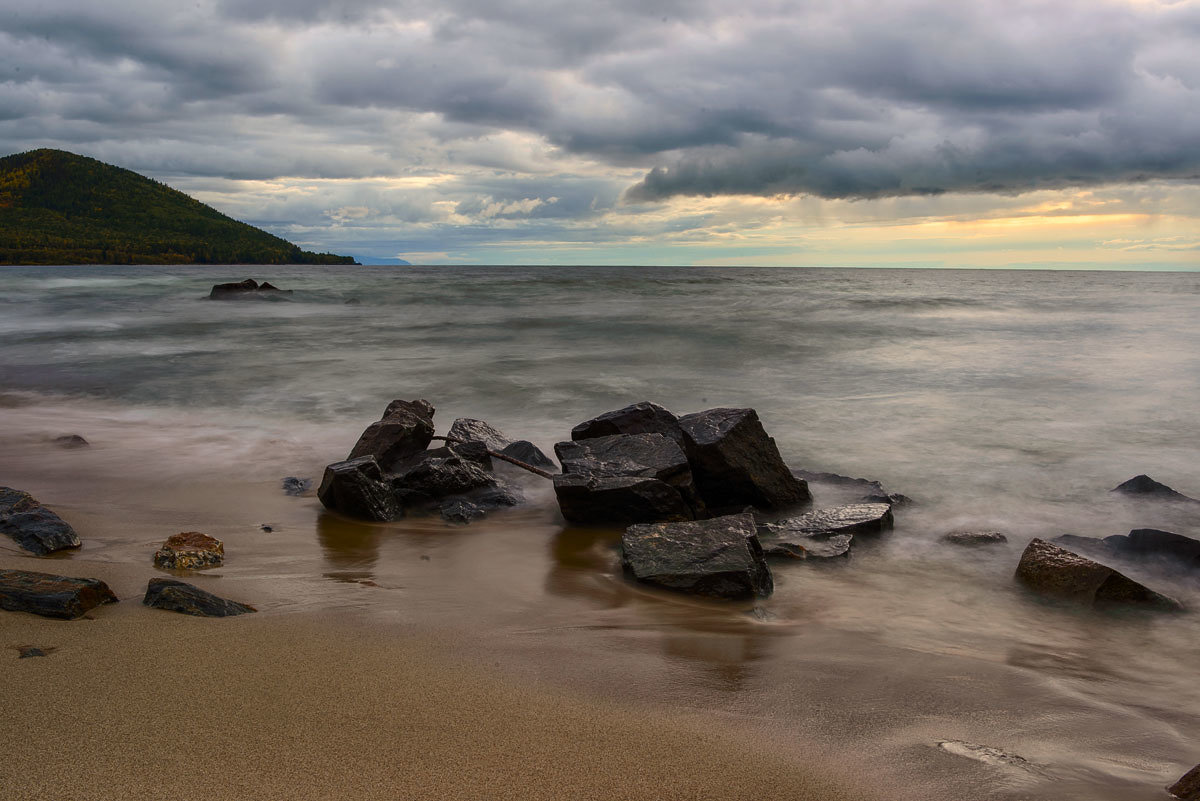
x,y
1145,487
736,464
1054,571
716,558
32,526
824,533
245,289
357,488
625,478
1188,787
638,418
177,596
51,596
406,429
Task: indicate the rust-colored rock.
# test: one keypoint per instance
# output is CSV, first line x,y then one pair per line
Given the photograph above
x,y
190,550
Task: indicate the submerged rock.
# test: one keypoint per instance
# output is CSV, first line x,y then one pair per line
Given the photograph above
x,y
1140,544
245,289
1054,571
1188,787
639,418
717,558
824,533
51,596
986,754
190,550
356,488
296,486
625,478
975,539
71,441
177,596
736,464
405,430
869,491
32,526
1144,486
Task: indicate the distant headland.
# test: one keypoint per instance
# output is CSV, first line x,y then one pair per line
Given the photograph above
x,y
61,208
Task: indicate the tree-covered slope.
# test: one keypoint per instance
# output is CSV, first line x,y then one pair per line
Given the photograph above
x,y
60,208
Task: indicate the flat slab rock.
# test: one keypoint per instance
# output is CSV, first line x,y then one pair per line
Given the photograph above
x,y
1188,787
1057,572
32,526
824,533
49,595
975,539
190,550
717,558
178,596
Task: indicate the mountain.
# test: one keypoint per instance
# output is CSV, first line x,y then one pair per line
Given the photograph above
x,y
60,208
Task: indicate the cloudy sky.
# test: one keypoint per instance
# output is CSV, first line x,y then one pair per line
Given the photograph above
x,y
944,133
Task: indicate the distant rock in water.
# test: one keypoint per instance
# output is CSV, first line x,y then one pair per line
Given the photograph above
x,y
71,441
975,539
246,289
51,596
1056,572
1144,486
32,526
716,558
1188,787
1140,544
177,596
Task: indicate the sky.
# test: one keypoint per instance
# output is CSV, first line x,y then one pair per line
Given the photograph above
x,y
922,133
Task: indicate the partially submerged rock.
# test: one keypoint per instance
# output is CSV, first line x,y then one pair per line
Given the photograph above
x,y
295,486
405,430
975,539
71,441
1146,487
356,488
32,526
861,490
177,596
717,558
1188,787
625,478
245,289
190,550
51,596
736,464
638,418
1054,571
824,533
1140,544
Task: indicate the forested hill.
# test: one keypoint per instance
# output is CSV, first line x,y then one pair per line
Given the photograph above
x,y
60,208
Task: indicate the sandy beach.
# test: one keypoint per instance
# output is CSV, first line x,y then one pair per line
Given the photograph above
x,y
136,703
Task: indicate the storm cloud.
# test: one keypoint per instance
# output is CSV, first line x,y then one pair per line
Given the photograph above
x,y
560,111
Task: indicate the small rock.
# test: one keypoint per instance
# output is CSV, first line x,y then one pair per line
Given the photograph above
x,y
638,418
461,512
31,651
405,430
51,596
717,558
1144,486
190,550
1188,787
71,441
245,289
176,596
356,488
1054,571
265,528
32,526
736,464
975,539
296,486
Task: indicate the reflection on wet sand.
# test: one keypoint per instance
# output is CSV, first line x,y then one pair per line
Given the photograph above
x,y
350,547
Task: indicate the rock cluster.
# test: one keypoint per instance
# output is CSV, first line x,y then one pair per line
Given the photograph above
x,y
249,288
32,526
392,471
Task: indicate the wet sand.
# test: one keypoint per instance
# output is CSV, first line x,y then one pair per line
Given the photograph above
x,y
136,703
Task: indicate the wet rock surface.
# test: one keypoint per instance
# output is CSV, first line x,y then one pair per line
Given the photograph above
x,y
638,418
49,595
238,290
472,430
296,486
178,596
1142,486
1056,572
824,533
851,490
405,430
716,558
975,539
625,478
190,550
356,488
736,464
32,526
525,451
1188,786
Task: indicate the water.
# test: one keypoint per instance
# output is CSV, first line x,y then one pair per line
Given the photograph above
x,y
999,400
